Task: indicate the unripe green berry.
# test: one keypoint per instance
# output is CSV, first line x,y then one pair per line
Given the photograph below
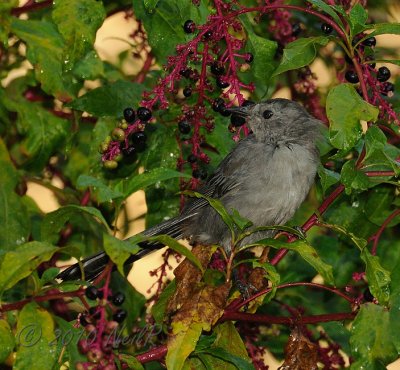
x,y
118,157
108,139
118,134
110,165
103,147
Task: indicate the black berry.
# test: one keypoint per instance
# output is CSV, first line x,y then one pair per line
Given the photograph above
x,y
83,321
351,76
189,26
387,88
92,292
187,91
221,83
326,28
144,114
249,58
372,65
94,312
192,158
129,152
129,115
218,104
217,69
119,316
296,29
370,41
207,35
237,120
184,127
118,298
139,138
185,72
383,74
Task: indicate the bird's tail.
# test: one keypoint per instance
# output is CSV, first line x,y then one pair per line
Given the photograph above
x,y
92,266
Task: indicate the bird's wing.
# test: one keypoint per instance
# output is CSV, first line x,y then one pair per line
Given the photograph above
x,y
223,180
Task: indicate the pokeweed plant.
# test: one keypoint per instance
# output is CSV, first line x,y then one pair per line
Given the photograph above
x,y
334,303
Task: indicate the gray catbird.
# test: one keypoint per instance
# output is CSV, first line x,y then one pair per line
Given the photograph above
x,y
265,178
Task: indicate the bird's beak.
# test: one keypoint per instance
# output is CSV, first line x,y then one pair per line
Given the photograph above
x,y
243,111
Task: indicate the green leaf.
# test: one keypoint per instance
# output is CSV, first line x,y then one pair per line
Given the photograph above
x,y
77,21
328,10
89,67
352,178
131,361
109,100
394,312
273,278
6,340
9,175
370,343
164,23
45,52
358,16
119,250
68,335
327,178
159,307
385,28
378,154
35,338
263,51
378,277
44,133
102,191
182,344
345,108
148,178
300,53
53,222
227,356
5,20
22,261
307,252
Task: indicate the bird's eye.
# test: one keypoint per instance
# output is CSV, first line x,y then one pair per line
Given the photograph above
x,y
268,114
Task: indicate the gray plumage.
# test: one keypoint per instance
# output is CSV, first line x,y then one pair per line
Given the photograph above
x,y
265,178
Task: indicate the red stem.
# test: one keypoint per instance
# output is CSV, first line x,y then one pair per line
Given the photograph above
x,y
43,298
154,354
31,7
145,69
284,320
378,234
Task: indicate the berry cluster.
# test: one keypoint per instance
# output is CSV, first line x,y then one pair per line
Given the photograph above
x,y
376,79
99,343
127,139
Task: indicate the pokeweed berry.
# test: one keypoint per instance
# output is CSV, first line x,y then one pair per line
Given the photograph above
x,y
207,35
217,69
192,158
187,91
119,315
383,74
185,72
118,298
370,41
144,114
130,151
237,120
368,297
118,134
387,88
138,138
184,127
189,26
129,115
351,76
372,65
92,292
326,28
221,83
218,104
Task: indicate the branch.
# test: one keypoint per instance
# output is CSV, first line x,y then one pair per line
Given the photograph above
x,y
378,234
30,7
154,354
284,320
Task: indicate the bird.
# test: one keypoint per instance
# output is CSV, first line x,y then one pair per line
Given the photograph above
x,y
265,178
